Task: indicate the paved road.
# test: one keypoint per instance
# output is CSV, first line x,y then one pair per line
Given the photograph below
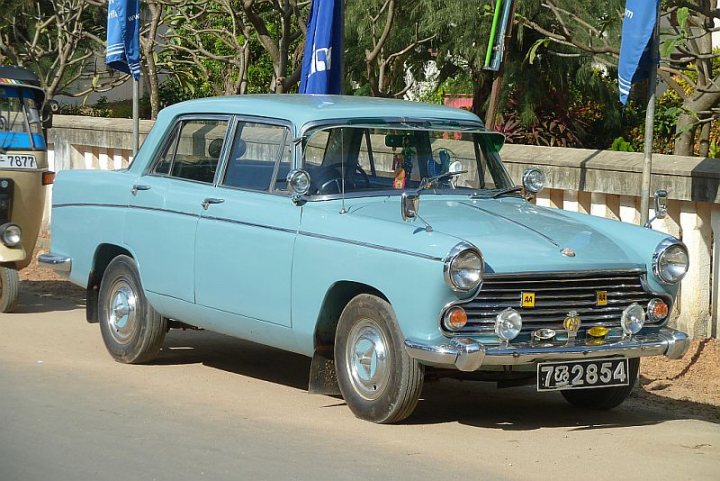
x,y
217,408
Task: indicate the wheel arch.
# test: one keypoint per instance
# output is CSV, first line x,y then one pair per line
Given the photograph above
x,y
104,254
322,368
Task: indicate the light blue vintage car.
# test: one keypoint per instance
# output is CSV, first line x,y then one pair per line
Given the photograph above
x,y
382,238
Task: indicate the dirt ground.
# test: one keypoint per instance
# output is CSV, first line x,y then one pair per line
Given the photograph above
x,y
694,378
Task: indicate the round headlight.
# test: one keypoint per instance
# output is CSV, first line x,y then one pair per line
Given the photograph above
x,y
464,267
670,261
633,319
508,324
11,235
533,180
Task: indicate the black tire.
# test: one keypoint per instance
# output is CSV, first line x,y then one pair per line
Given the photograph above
x,y
133,332
384,384
606,397
9,289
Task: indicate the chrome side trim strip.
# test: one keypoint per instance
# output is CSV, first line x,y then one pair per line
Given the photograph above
x,y
370,246
61,264
467,354
262,226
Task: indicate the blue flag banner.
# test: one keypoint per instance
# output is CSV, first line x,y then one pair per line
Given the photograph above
x,y
636,46
123,36
321,65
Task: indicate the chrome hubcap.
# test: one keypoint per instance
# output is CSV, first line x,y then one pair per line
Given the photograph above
x,y
121,312
367,359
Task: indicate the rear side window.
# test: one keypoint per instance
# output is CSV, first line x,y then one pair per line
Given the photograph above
x,y
193,150
259,158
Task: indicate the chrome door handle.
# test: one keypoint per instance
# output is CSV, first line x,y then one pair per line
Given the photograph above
x,y
137,187
210,200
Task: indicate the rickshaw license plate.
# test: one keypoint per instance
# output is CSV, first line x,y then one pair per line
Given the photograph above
x,y
17,161
557,376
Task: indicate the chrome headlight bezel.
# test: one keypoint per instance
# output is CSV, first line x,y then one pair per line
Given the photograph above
x,y
7,230
450,267
663,249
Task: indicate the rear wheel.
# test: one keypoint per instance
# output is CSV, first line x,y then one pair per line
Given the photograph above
x,y
604,398
9,289
377,379
133,332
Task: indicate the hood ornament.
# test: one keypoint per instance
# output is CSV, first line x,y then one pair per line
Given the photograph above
x,y
568,252
572,325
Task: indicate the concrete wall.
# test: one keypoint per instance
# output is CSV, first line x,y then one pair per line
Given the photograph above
x,y
599,183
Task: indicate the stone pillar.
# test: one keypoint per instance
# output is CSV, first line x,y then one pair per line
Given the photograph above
x,y
695,291
556,198
103,159
570,201
715,223
542,198
628,209
598,204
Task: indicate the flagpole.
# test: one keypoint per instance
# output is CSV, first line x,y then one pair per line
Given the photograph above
x,y
649,129
136,117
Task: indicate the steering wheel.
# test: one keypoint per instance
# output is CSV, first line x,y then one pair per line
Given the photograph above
x,y
336,180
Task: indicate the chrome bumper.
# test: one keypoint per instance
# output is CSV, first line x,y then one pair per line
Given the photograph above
x,y
469,355
60,264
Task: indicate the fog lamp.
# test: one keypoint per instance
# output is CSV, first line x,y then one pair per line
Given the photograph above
x,y
10,234
633,319
455,319
657,310
598,331
508,324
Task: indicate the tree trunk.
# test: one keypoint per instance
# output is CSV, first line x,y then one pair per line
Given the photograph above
x,y
704,140
684,135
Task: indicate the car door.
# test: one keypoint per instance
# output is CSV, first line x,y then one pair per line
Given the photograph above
x,y
245,238
167,202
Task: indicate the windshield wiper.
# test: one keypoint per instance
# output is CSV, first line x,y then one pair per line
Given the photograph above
x,y
426,183
507,191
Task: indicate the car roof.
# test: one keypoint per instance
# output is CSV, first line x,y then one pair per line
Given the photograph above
x,y
305,109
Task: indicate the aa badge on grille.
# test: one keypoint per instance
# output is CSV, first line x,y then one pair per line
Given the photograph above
x,y
528,299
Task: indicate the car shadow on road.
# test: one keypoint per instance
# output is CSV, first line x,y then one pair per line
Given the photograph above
x,y
235,356
470,403
48,296
523,409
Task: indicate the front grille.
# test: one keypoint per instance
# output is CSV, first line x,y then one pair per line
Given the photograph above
x,y
556,294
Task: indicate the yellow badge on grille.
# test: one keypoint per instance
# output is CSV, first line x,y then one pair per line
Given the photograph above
x,y
528,299
601,298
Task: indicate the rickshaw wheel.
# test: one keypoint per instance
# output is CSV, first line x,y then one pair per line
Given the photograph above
x,y
9,289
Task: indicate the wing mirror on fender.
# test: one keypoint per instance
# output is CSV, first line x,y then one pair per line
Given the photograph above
x,y
661,196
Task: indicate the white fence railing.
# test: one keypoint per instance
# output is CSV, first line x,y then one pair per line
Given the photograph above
x,y
601,183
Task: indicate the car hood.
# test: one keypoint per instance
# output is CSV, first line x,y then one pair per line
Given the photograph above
x,y
513,235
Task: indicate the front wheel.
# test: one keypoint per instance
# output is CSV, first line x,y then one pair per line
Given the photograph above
x,y
377,378
604,398
133,332
9,289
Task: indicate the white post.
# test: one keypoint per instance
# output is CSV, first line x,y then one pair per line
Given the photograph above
x,y
695,291
715,222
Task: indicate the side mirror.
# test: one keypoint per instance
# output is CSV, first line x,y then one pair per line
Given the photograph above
x,y
660,207
298,182
51,107
409,205
533,180
661,203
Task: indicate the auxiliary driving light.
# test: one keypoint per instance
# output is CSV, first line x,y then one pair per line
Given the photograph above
x,y
455,319
508,324
657,310
633,319
10,234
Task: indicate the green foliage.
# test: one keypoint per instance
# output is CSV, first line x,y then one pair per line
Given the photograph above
x,y
622,145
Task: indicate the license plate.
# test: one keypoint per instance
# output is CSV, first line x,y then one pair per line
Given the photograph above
x,y
557,376
17,161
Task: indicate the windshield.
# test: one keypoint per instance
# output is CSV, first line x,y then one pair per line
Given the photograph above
x,y
20,125
367,160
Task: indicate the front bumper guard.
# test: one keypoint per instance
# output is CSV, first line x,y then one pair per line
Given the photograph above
x,y
60,264
468,354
